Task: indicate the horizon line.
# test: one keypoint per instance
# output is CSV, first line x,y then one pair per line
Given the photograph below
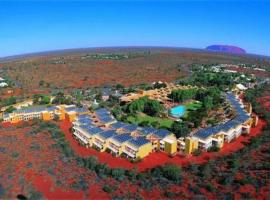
x,y
29,54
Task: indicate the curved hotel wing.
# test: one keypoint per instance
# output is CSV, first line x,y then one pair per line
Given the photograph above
x,y
224,132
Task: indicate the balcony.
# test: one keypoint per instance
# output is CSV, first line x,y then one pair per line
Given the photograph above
x,y
98,144
81,138
130,154
114,150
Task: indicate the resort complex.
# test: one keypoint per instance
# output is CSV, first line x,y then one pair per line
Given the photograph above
x,y
99,100
226,131
45,113
99,129
160,94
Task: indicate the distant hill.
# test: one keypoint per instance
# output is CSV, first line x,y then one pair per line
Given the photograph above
x,y
226,49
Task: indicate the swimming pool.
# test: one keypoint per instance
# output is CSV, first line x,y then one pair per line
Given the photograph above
x,y
178,111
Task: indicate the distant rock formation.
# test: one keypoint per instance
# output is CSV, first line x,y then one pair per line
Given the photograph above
x,y
226,49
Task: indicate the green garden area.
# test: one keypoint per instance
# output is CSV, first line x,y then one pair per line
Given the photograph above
x,y
191,106
146,120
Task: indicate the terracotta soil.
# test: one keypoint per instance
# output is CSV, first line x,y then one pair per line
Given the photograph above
x,y
40,167
265,101
29,164
161,64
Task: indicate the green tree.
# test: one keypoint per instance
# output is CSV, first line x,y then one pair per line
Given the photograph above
x,y
10,101
183,95
41,83
152,107
180,129
119,86
10,109
208,103
146,105
172,172
118,173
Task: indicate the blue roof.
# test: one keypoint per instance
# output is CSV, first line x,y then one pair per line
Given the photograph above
x,y
204,133
76,109
139,141
106,91
95,130
81,110
84,116
229,125
162,133
85,121
70,108
147,130
91,129
122,137
51,108
102,111
242,118
130,127
104,115
107,134
106,119
87,129
5,115
118,125
35,109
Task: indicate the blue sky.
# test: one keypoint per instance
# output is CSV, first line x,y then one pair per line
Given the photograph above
x,y
28,26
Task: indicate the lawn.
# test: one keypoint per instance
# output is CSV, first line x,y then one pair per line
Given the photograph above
x,y
193,105
139,118
162,122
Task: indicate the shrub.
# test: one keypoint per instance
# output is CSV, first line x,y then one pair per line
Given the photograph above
x,y
20,197
107,188
169,194
15,154
118,173
35,195
1,191
172,172
210,187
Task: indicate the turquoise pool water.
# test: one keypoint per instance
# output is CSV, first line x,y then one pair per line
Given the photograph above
x,y
178,111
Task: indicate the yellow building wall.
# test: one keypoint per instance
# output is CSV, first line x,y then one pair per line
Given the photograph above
x,y
191,145
62,116
220,136
144,151
170,148
71,117
121,148
15,120
61,113
46,116
255,120
90,140
249,122
249,108
105,146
